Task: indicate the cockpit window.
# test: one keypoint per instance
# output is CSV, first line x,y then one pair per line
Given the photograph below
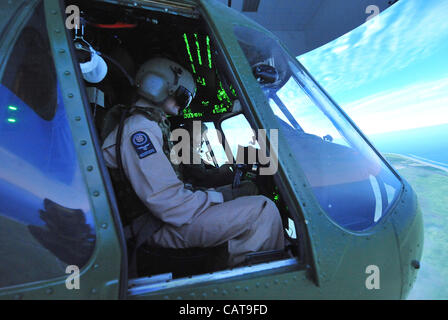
x,y
238,133
350,181
212,151
308,118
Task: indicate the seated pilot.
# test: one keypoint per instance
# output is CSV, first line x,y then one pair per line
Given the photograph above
x,y
185,218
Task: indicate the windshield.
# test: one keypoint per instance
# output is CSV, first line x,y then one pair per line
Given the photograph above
x,y
352,184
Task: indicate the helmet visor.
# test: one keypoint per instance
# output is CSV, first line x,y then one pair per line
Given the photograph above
x,y
183,97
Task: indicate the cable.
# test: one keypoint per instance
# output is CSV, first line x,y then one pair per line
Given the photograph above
x,y
113,61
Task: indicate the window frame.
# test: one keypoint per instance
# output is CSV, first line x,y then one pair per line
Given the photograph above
x,y
104,180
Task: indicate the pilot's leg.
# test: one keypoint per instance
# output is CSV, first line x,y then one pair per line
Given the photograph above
x,y
249,224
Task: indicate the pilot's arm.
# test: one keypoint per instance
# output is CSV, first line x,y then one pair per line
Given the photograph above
x,y
154,179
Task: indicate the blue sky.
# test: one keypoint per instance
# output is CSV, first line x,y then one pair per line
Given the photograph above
x,y
391,73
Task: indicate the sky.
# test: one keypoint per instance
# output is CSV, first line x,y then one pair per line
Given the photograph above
x,y
391,73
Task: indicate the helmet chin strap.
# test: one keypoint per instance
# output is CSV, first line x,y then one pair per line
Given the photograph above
x,y
170,107
145,102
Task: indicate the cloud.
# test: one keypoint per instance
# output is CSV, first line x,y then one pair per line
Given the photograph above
x,y
418,105
397,38
340,49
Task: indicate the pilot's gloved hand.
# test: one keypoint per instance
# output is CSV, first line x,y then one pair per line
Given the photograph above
x,y
226,169
221,176
246,188
226,173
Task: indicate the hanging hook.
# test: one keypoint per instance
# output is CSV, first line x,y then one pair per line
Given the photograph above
x,y
80,38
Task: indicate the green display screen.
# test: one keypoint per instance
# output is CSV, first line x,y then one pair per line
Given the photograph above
x,y
212,96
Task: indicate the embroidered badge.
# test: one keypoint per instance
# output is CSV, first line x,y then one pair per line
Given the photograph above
x,y
142,144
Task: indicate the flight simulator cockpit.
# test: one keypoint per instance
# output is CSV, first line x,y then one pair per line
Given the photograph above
x,y
342,207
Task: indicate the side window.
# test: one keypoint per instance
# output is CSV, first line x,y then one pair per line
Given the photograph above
x,y
46,221
238,132
212,151
352,184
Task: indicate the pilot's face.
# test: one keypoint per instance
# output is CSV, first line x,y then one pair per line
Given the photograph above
x,y
170,106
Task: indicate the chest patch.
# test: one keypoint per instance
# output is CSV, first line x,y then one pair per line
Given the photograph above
x,y
142,144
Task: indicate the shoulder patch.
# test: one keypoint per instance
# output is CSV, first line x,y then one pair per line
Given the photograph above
x,y
142,144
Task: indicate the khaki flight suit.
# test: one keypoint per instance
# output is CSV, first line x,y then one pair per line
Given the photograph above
x,y
192,219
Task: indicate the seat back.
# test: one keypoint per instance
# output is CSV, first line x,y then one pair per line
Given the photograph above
x,y
181,262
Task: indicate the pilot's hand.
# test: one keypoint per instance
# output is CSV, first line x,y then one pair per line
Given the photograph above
x,y
227,169
246,188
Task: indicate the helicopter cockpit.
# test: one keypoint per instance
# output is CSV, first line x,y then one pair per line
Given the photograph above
x,y
125,38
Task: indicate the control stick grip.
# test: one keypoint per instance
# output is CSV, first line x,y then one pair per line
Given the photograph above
x,y
239,171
